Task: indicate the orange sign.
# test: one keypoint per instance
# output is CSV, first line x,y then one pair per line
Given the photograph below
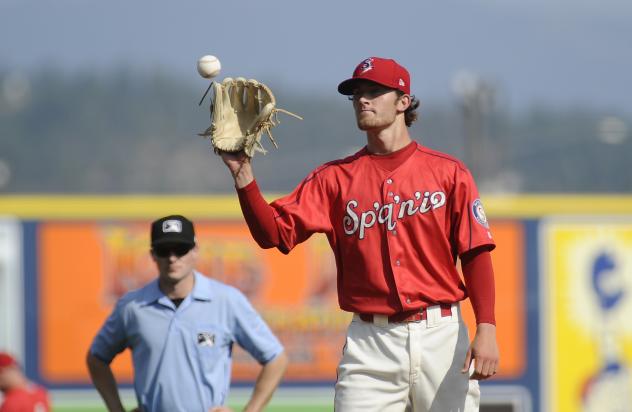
x,y
85,266
509,272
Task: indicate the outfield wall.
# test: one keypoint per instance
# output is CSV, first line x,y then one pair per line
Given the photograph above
x,y
563,271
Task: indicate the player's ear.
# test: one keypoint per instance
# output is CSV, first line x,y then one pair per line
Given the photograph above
x,y
403,102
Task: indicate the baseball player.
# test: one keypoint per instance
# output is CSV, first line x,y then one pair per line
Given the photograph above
x,y
181,328
18,393
397,216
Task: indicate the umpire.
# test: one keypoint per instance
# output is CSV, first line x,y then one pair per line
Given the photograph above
x,y
181,328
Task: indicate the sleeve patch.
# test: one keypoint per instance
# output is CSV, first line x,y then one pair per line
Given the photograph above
x,y
479,213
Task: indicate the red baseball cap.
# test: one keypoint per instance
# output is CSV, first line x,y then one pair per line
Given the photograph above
x,y
386,72
6,360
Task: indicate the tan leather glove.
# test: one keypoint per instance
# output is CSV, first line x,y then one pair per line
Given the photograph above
x,y
241,111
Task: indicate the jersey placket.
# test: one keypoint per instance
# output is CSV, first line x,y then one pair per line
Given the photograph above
x,y
390,196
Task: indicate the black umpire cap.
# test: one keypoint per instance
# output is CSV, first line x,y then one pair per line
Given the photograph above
x,y
172,229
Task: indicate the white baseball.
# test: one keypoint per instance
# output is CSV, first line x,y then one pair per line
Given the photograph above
x,y
208,66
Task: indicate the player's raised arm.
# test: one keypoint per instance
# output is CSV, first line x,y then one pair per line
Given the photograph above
x,y
240,168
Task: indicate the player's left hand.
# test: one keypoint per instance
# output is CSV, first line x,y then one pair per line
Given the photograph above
x,y
483,352
220,409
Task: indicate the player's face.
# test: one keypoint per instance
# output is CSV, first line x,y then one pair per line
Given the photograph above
x,y
175,261
5,378
375,106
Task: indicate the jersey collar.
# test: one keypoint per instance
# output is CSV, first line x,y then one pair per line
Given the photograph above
x,y
201,290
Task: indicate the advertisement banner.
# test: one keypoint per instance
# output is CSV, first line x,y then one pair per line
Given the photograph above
x,y
84,267
587,328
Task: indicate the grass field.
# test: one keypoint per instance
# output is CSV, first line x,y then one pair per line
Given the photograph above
x,y
284,400
287,399
236,408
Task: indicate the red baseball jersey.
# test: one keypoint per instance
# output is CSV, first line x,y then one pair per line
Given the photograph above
x,y
31,399
395,234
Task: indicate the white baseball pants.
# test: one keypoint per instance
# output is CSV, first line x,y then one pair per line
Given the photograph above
x,y
405,367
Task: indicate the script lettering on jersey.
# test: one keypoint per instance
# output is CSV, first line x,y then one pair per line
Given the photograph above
x,y
389,213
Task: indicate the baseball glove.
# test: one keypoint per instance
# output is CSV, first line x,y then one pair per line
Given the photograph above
x,y
241,111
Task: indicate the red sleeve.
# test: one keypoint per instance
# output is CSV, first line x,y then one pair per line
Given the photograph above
x,y
259,216
305,211
479,281
471,229
289,220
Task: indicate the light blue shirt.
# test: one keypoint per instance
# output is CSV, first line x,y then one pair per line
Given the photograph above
x,y
182,356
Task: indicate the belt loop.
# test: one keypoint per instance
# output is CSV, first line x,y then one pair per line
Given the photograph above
x,y
433,316
455,311
380,320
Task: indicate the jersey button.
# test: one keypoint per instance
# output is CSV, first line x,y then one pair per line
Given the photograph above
x,y
397,262
394,232
389,181
408,300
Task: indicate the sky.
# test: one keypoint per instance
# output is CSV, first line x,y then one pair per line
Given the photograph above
x,y
560,53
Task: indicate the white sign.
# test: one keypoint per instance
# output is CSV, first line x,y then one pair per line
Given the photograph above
x,y
11,288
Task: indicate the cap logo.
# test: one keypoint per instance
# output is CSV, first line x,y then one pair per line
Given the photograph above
x,y
402,82
171,226
366,65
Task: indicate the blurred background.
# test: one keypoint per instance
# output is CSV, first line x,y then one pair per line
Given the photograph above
x,y
533,96
99,118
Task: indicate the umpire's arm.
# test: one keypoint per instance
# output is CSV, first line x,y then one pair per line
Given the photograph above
x,y
267,382
103,379
106,345
255,336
